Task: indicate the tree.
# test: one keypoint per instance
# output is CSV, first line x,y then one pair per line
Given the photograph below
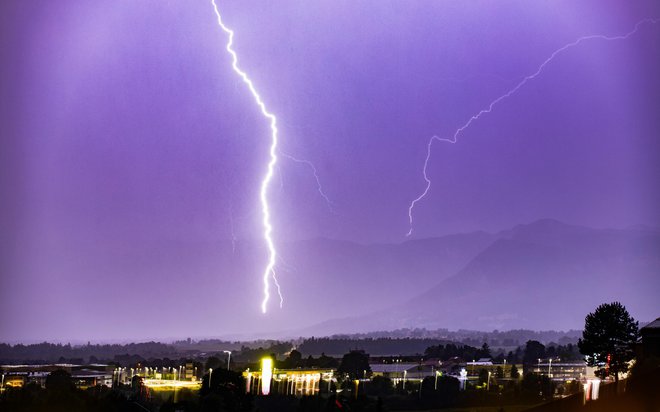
x,y
534,386
380,386
213,362
440,392
514,372
608,338
225,391
484,352
354,364
294,360
483,376
59,381
326,361
534,350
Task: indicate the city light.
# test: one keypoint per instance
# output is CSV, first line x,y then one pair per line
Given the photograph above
x,y
266,375
162,384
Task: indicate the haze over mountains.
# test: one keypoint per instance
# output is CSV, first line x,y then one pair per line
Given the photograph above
x,y
544,275
540,276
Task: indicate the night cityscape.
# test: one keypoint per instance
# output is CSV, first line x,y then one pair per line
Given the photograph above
x,y
330,206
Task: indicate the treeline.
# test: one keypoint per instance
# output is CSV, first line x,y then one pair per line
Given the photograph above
x,y
42,353
534,350
451,350
375,347
275,349
132,353
511,338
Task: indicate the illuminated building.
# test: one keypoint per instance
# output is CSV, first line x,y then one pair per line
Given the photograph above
x,y
189,372
562,371
297,382
266,375
82,376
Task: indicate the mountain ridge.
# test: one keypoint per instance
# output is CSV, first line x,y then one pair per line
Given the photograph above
x,y
546,273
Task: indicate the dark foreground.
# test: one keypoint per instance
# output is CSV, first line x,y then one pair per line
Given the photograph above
x,y
639,394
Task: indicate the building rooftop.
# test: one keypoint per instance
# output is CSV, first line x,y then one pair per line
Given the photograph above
x,y
653,325
391,367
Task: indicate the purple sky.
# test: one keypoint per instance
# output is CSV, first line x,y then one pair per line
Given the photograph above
x,y
126,134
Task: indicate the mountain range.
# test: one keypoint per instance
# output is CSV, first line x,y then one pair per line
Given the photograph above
x,y
543,275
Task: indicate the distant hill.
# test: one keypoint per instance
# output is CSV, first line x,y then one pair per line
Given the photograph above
x,y
349,277
539,276
544,275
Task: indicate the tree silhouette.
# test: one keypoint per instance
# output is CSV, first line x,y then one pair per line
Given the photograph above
x,y
380,386
484,352
483,376
294,360
608,338
534,386
225,391
59,381
213,362
534,350
354,364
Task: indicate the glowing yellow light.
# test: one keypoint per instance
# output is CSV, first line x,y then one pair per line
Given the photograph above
x,y
266,375
170,384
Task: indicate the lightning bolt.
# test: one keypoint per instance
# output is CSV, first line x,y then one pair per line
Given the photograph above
x,y
453,139
269,270
319,187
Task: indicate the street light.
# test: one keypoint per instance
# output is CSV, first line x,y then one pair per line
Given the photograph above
x,y
210,374
228,352
437,373
405,373
488,384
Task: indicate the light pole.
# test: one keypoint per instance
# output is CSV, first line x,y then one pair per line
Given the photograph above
x,y
210,374
405,373
398,365
488,384
228,352
437,373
